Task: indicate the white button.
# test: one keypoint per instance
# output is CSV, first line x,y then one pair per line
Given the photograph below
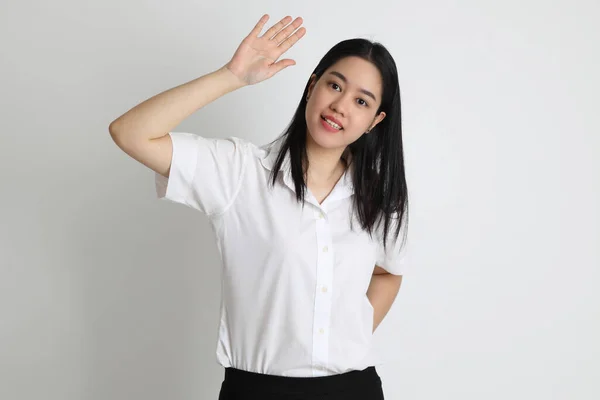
x,y
325,249
321,216
324,289
321,331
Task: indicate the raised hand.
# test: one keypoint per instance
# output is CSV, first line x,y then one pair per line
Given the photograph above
x,y
255,60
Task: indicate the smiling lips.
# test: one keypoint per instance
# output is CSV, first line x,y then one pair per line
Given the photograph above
x,y
332,123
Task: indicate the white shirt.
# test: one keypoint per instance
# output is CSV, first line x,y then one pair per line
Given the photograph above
x,y
294,281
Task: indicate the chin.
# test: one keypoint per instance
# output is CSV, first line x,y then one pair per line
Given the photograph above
x,y
322,136
330,144
323,139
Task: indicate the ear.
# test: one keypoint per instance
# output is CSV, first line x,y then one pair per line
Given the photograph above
x,y
311,85
377,120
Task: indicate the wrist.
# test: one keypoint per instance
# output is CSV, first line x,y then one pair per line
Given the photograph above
x,y
233,81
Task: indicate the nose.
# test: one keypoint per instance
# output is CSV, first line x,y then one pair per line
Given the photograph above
x,y
339,105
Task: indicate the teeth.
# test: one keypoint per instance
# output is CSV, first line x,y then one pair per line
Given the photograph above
x,y
336,126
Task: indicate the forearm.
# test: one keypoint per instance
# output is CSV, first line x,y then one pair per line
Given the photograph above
x,y
159,114
382,292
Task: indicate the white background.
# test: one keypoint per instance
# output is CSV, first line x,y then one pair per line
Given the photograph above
x,y
107,293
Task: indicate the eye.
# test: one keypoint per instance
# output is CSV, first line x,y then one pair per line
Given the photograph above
x,y
334,85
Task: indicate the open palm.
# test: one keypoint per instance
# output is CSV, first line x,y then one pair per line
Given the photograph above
x,y
256,58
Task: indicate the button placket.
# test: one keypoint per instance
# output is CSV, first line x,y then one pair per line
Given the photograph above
x,y
324,279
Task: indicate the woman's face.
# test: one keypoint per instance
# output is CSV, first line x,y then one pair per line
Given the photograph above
x,y
349,92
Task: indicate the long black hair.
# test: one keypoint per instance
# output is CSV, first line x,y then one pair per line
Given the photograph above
x,y
380,191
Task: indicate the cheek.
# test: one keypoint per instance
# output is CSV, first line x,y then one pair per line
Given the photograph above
x,y
312,112
308,113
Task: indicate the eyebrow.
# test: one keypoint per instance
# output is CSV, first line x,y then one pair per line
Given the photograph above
x,y
343,78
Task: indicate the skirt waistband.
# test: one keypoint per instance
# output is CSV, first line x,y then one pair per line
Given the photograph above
x,y
353,380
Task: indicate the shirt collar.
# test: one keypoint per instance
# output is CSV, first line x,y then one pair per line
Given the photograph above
x,y
344,188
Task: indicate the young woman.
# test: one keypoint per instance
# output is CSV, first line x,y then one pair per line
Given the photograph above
x,y
308,227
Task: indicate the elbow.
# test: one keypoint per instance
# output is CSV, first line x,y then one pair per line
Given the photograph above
x,y
112,128
116,132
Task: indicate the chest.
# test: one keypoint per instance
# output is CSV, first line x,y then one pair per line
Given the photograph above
x,y
275,236
268,228
320,192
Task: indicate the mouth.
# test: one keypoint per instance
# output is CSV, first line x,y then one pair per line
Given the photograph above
x,y
332,124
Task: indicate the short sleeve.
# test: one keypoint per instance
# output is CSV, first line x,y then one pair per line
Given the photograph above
x,y
394,259
205,174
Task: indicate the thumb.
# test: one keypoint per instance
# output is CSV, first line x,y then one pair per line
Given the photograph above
x,y
281,64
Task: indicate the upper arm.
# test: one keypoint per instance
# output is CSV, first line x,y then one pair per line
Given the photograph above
x,y
203,173
378,270
392,258
155,154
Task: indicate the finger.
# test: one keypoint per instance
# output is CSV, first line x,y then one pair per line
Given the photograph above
x,y
259,26
277,27
281,36
281,64
292,40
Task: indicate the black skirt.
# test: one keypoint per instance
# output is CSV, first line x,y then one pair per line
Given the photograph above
x,y
353,385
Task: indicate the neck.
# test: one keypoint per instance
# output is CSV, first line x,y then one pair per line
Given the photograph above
x,y
324,165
